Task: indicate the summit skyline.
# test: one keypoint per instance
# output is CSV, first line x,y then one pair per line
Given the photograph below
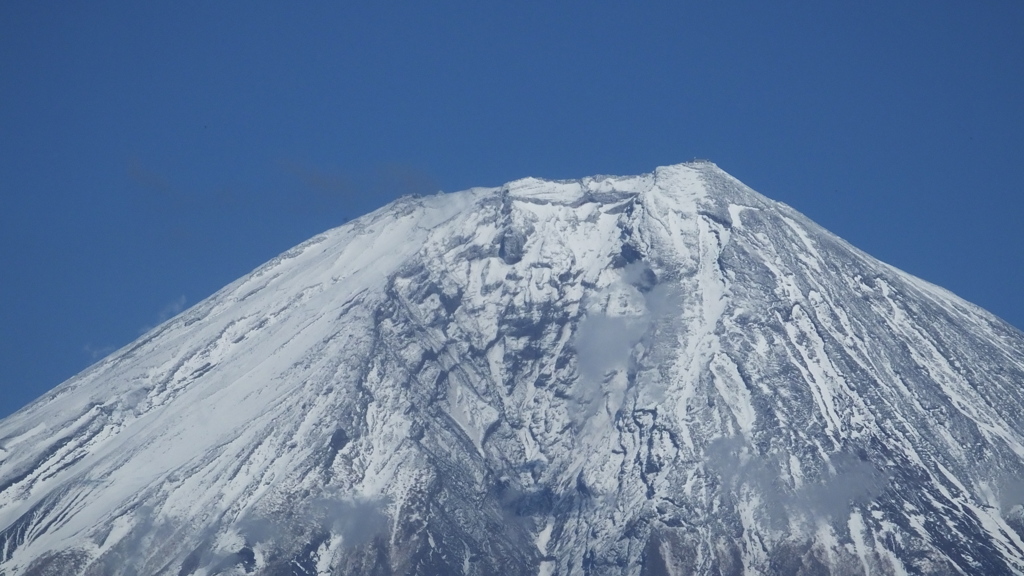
x,y
153,154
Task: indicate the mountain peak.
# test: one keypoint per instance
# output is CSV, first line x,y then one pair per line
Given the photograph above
x,y
653,374
686,178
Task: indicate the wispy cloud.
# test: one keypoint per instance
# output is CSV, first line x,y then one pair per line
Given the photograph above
x,y
606,338
149,179
852,481
169,310
97,352
356,520
324,184
330,188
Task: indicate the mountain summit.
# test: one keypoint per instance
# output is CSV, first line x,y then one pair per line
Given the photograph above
x,y
659,374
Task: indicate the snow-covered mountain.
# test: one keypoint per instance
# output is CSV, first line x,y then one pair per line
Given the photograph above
x,y
660,374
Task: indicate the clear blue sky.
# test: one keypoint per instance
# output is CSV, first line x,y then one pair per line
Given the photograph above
x,y
150,154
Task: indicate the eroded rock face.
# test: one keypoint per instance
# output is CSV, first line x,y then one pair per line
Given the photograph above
x,y
662,374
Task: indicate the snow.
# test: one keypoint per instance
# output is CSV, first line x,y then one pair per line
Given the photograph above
x,y
857,528
641,323
732,389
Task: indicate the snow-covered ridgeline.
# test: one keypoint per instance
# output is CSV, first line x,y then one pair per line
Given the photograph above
x,y
665,373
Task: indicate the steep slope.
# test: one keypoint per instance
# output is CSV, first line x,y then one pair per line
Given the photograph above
x,y
661,374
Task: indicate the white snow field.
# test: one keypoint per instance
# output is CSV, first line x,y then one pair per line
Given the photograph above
x,y
660,374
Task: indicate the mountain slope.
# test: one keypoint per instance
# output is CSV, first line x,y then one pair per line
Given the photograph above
x,y
660,374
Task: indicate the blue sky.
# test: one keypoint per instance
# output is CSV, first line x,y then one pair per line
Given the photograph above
x,y
151,153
